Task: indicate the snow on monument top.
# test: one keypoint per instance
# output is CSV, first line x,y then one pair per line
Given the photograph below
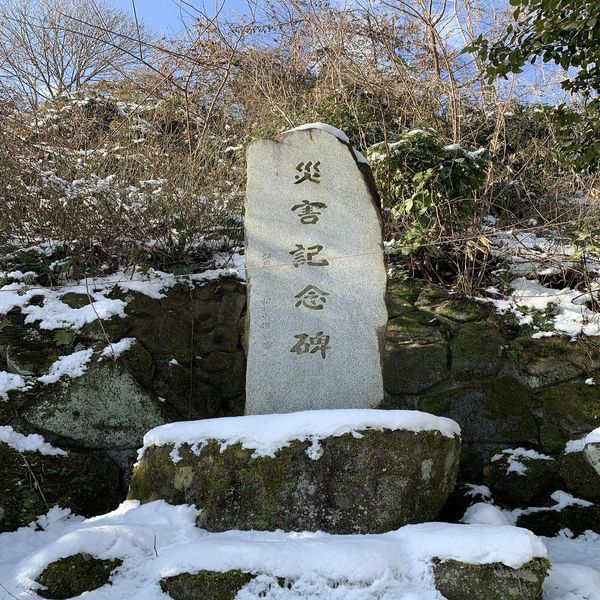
x,y
265,434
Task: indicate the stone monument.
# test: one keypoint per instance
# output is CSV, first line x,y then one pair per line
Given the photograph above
x,y
316,275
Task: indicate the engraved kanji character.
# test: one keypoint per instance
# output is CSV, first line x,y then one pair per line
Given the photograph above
x,y
307,344
308,213
311,297
309,171
304,256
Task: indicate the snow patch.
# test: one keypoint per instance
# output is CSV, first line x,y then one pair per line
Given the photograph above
x,y
514,465
71,365
565,307
10,382
28,443
475,490
338,133
483,513
115,350
578,445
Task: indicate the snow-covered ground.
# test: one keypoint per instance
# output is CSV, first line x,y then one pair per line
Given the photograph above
x,y
158,540
529,256
575,573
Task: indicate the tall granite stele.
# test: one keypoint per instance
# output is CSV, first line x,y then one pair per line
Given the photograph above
x,y
316,275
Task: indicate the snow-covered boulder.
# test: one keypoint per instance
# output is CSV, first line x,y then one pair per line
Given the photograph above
x,y
341,471
580,466
159,549
520,476
561,511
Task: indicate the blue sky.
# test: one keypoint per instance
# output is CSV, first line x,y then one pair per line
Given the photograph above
x,y
164,16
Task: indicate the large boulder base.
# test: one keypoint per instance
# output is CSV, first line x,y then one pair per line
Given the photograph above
x,y
371,483
72,576
32,483
463,581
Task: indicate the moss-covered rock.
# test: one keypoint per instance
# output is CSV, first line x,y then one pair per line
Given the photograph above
x,y
461,310
373,483
514,488
476,351
549,522
497,411
549,361
495,581
72,576
32,483
401,296
25,349
568,411
416,354
206,584
104,408
581,472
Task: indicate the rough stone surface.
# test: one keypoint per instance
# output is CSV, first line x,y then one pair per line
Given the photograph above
x,y
549,361
187,362
568,411
416,354
577,518
31,483
581,472
105,408
492,412
476,351
463,581
316,276
211,585
456,580
374,483
75,575
514,489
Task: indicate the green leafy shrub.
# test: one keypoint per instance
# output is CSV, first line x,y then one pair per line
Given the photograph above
x,y
427,186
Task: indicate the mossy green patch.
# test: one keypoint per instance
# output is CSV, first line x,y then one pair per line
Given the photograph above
x,y
476,351
211,585
567,411
493,581
75,575
581,472
461,310
401,296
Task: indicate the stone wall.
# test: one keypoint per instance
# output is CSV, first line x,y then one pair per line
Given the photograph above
x,y
460,359
444,355
187,363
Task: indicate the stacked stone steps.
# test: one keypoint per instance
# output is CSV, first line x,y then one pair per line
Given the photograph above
x,y
372,479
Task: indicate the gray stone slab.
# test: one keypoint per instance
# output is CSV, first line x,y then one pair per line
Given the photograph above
x,y
316,276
